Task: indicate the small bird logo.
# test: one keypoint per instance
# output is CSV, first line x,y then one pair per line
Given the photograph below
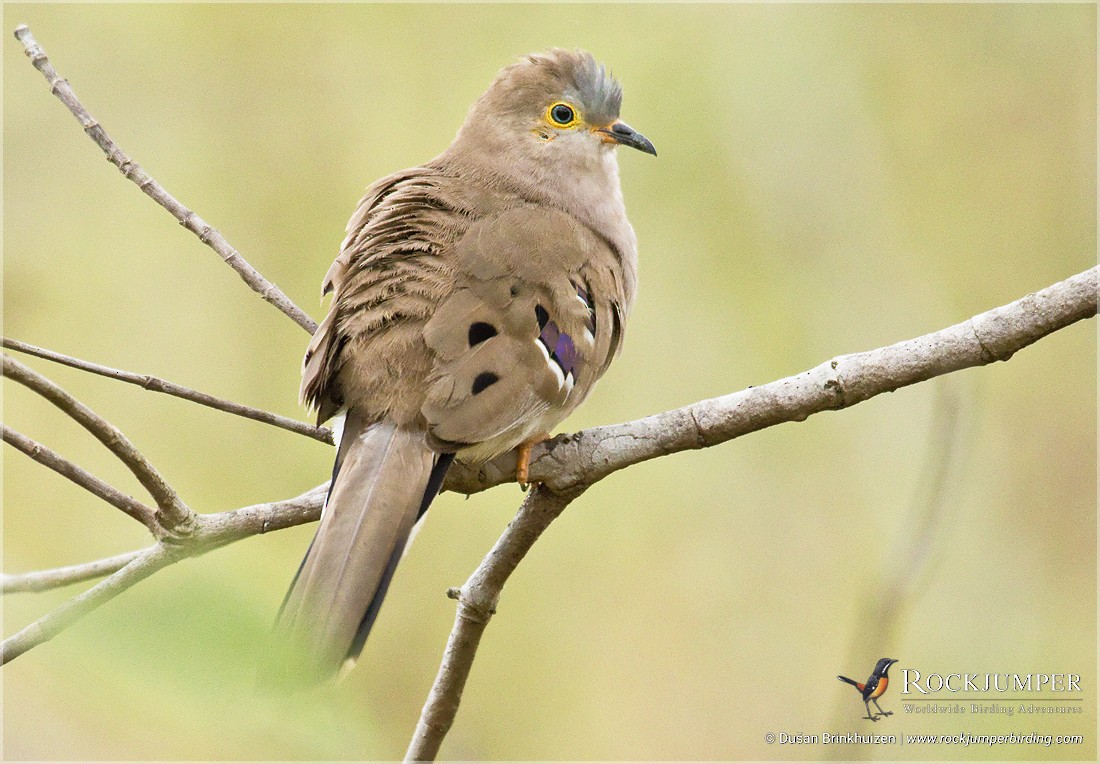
x,y
874,687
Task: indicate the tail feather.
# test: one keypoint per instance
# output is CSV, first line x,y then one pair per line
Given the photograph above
x,y
852,682
386,476
435,482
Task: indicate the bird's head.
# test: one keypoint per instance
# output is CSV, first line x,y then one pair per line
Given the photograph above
x,y
884,665
556,108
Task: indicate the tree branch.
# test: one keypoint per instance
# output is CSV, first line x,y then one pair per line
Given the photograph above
x,y
129,168
158,385
172,514
212,531
86,480
477,600
586,457
567,466
50,625
55,578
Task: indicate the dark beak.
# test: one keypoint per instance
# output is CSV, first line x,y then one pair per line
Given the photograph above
x,y
625,135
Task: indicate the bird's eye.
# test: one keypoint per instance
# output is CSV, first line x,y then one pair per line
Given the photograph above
x,y
562,114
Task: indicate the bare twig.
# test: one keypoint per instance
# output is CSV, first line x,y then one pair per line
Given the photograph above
x,y
909,561
156,384
212,531
218,530
116,498
570,465
50,625
43,580
188,219
172,514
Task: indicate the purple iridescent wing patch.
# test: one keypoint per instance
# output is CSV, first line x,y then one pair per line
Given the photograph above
x,y
559,345
565,353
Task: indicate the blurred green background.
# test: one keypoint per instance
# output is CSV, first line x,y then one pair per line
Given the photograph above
x,y
830,179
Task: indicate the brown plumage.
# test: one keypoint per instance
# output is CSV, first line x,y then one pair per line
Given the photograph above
x,y
476,301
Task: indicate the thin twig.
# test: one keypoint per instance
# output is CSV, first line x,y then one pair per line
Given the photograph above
x,y
909,563
212,531
50,625
173,515
129,168
217,530
158,385
86,480
55,578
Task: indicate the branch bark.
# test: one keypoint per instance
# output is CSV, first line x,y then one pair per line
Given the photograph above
x,y
211,532
55,578
86,480
173,516
207,234
159,385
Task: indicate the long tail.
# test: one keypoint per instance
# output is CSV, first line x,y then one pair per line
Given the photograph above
x,y
852,682
384,479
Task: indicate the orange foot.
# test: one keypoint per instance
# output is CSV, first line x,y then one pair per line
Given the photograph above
x,y
523,457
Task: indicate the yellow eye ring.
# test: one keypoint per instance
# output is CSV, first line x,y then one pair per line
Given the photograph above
x,y
561,114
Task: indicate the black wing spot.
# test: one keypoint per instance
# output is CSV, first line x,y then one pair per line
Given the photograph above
x,y
542,316
481,331
482,381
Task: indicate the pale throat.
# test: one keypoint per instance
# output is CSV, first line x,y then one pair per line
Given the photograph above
x,y
594,196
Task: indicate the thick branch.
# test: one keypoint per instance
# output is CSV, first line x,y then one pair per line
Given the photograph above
x,y
42,580
158,385
86,480
188,219
173,515
569,465
583,458
226,527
